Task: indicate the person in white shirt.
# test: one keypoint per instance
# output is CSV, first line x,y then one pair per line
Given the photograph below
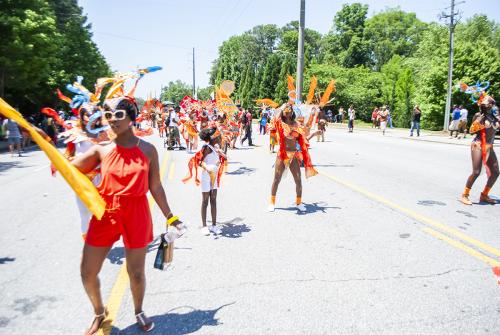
x,y
173,126
462,124
351,114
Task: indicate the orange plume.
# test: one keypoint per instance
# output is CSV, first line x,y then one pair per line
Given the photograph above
x,y
312,88
267,102
326,96
291,88
291,83
63,97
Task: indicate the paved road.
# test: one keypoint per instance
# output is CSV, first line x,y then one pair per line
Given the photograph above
x,y
385,248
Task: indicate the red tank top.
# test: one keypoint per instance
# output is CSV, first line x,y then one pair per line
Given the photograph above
x,y
125,172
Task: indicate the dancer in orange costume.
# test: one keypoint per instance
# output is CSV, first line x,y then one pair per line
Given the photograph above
x,y
484,127
290,136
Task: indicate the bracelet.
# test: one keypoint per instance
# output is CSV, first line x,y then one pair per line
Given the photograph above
x,y
172,220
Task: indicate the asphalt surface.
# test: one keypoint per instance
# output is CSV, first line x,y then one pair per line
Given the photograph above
x,y
364,259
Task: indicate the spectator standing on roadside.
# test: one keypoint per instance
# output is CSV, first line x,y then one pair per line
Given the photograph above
x,y
389,118
382,117
341,115
375,118
455,120
351,114
415,120
13,135
462,125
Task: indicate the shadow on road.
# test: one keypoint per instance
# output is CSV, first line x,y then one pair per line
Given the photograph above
x,y
177,323
232,228
4,260
430,203
117,254
310,208
242,170
10,165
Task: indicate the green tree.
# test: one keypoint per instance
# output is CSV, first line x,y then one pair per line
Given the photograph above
x,y
175,91
392,32
398,89
205,93
288,67
405,90
344,44
28,52
270,76
78,54
358,86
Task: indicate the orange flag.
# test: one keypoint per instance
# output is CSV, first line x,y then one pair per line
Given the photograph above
x,y
82,186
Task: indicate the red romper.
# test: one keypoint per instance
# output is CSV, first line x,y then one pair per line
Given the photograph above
x,y
124,185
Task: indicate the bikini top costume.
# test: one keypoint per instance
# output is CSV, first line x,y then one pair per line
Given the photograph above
x,y
486,129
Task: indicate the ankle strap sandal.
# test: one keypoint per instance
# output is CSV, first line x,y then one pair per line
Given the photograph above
x,y
144,323
97,322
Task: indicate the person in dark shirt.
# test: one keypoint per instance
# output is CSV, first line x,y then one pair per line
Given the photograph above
x,y
415,120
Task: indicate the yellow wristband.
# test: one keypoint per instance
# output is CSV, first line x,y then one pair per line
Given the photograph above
x,y
172,220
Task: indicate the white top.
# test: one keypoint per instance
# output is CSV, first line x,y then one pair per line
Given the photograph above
x,y
212,158
351,113
174,120
463,114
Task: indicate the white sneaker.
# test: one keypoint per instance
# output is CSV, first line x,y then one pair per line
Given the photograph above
x,y
270,208
205,231
215,229
301,207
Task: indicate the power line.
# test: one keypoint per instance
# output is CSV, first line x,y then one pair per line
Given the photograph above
x,y
173,46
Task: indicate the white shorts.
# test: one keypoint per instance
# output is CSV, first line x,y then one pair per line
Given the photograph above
x,y
383,125
206,183
454,125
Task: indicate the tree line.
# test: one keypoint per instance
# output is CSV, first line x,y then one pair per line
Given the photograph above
x,y
391,58
45,45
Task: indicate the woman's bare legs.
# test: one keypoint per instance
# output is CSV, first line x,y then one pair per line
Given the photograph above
x,y
135,267
91,264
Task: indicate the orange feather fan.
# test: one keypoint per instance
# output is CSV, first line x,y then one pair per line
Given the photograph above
x,y
291,88
326,96
312,88
267,102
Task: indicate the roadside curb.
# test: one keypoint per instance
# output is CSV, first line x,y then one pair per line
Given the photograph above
x,y
441,137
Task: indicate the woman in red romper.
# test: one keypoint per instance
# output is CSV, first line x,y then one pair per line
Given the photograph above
x,y
129,169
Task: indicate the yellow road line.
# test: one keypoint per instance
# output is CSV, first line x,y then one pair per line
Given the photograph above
x,y
473,252
115,299
171,173
121,283
423,219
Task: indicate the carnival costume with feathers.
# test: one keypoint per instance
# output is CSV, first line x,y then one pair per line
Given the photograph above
x,y
195,163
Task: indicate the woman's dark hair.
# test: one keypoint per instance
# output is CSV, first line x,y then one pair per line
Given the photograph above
x,y
125,103
206,134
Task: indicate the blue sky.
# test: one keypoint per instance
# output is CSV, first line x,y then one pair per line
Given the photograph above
x,y
133,33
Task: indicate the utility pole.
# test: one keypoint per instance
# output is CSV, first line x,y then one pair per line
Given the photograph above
x,y
452,25
300,51
194,79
